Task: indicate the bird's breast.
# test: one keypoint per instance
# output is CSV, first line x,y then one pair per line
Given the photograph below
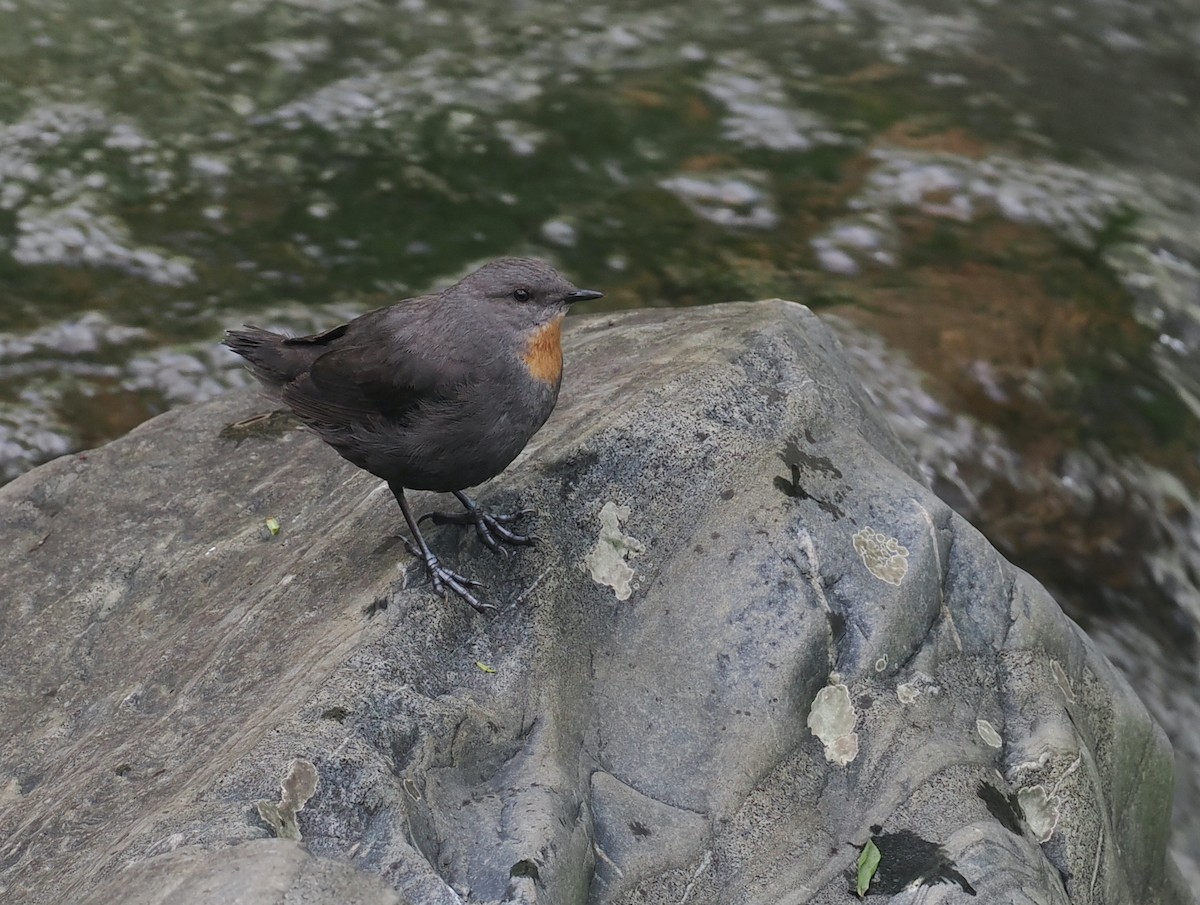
x,y
543,353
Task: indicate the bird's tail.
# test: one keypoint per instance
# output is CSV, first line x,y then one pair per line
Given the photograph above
x,y
272,362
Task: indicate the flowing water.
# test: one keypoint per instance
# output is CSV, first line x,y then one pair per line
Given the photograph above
x,y
997,204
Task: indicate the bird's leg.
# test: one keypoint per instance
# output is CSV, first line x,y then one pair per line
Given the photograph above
x,y
441,577
490,528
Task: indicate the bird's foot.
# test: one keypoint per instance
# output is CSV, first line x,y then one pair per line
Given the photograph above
x,y
490,528
444,579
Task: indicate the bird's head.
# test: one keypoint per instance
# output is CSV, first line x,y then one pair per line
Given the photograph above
x,y
527,290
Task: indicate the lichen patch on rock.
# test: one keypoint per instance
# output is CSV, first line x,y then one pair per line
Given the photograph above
x,y
831,719
883,556
988,733
1041,813
294,792
608,563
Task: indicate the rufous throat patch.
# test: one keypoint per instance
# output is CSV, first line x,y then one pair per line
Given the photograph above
x,y
543,355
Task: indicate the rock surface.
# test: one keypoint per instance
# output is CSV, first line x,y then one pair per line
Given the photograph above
x,y
265,870
750,640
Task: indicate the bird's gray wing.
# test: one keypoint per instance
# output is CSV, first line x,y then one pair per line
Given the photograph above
x,y
367,384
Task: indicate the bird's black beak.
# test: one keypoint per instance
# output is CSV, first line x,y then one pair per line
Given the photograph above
x,y
582,295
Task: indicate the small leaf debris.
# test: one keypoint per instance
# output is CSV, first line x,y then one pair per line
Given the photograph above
x,y
868,863
272,526
483,667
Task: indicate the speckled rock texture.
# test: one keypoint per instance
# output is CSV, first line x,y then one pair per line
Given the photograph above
x,y
263,870
749,640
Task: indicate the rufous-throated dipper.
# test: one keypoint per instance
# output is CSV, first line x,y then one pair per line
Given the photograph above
x,y
439,392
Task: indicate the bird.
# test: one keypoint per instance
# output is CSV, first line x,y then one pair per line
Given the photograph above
x,y
439,392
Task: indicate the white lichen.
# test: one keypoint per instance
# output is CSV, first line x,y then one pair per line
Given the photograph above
x,y
988,733
608,562
831,719
883,556
1041,813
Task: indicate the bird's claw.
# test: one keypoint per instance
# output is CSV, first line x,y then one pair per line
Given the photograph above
x,y
490,528
444,579
493,533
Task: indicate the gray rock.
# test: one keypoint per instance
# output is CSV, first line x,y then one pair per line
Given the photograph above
x,y
265,870
750,634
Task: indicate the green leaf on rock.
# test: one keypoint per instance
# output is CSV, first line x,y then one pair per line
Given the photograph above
x,y
868,863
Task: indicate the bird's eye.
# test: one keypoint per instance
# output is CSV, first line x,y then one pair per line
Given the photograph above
x,y
521,295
